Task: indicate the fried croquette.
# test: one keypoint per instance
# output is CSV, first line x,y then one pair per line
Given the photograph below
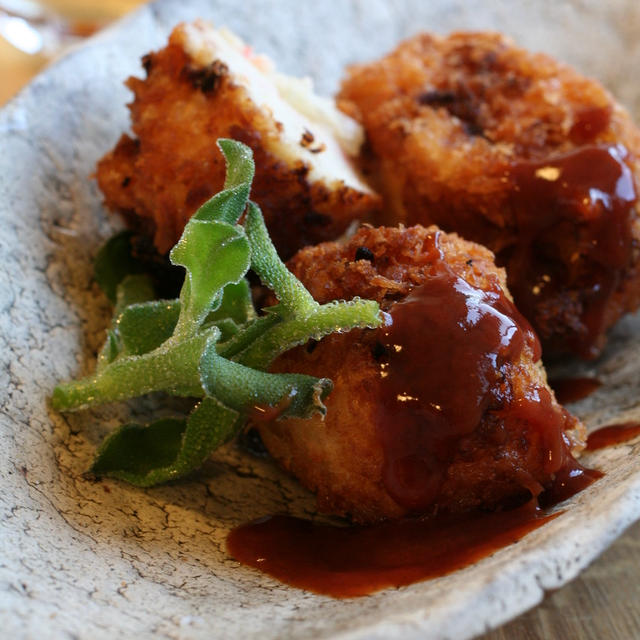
x,y
207,84
446,408
517,152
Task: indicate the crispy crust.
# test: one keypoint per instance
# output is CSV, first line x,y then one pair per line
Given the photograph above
x,y
160,177
341,458
447,119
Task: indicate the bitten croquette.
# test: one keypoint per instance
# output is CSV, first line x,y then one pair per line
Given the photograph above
x,y
204,85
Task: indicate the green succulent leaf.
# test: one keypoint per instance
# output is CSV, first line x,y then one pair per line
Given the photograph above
x,y
295,300
234,347
172,368
242,388
133,289
135,452
145,327
202,245
110,350
333,317
113,262
239,160
166,449
209,426
236,304
228,205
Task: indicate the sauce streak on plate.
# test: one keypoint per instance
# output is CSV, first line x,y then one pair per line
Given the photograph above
x,y
612,434
345,562
569,390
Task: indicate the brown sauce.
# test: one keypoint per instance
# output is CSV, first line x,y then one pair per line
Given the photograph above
x,y
466,340
589,123
568,481
471,339
427,404
345,562
574,215
612,434
569,390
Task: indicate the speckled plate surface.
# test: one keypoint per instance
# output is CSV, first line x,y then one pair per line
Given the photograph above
x,y
105,560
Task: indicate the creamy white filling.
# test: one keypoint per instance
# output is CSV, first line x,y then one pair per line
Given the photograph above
x,y
330,135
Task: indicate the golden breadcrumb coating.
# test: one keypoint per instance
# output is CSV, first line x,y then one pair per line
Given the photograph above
x,y
342,458
518,152
159,177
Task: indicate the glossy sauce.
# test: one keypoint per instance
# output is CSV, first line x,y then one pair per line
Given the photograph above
x,y
573,389
344,562
569,480
443,370
443,364
589,123
574,215
349,561
612,434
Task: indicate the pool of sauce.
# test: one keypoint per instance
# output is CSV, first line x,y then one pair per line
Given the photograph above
x,y
444,365
345,562
574,216
569,390
350,561
612,434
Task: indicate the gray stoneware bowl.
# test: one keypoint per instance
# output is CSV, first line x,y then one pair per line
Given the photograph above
x,y
105,560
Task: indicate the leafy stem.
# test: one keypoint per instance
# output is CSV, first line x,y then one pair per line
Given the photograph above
x,y
210,343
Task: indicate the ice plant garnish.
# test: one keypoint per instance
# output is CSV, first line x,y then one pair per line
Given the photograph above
x,y
209,344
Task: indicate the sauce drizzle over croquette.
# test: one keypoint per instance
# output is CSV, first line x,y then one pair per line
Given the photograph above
x,y
574,215
446,364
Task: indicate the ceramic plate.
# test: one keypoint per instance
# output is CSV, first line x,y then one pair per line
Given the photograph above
x,y
80,559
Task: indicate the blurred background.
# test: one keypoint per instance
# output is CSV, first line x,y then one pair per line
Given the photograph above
x,y
33,32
